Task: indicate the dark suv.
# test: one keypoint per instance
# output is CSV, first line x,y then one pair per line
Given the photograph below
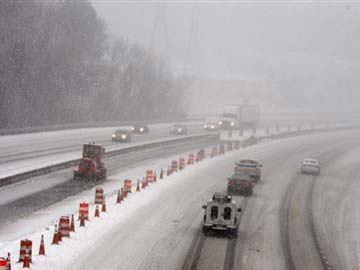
x,y
240,184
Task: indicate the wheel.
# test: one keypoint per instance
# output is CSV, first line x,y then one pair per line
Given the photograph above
x,y
206,230
233,232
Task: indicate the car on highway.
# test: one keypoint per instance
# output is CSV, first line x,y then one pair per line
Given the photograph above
x,y
121,135
250,167
211,126
178,130
221,214
310,166
240,184
140,129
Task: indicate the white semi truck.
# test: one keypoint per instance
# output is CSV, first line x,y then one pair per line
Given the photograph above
x,y
239,117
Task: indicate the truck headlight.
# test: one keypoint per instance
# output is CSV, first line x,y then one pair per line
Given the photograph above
x,y
113,135
123,136
232,124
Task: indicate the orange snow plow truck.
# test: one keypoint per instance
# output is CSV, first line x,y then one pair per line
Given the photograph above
x,y
91,167
250,167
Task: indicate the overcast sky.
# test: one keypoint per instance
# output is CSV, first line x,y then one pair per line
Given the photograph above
x,y
272,39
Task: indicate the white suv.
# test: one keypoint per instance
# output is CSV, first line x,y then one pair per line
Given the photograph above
x,y
310,166
221,215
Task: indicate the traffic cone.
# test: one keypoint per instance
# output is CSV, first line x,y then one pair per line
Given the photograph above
x,y
103,207
26,263
118,199
55,237
161,173
82,221
143,186
146,182
122,194
72,224
59,233
8,262
138,186
97,214
42,246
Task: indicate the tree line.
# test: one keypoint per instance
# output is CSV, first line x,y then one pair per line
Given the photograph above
x,y
58,65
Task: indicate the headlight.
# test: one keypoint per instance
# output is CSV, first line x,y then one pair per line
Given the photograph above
x,y
205,126
212,127
141,129
179,129
123,136
113,135
220,123
232,124
132,128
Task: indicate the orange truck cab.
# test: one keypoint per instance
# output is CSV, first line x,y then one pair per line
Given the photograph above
x,y
91,166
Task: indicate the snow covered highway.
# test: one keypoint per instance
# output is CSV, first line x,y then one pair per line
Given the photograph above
x,y
24,152
23,198
292,221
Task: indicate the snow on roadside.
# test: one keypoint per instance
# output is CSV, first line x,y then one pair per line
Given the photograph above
x,y
42,222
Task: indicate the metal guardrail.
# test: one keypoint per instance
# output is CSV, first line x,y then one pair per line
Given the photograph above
x,y
71,163
11,131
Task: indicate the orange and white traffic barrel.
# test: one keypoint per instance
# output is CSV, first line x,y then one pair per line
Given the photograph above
x,y
25,245
149,175
174,166
3,264
64,226
191,159
99,195
127,185
181,163
84,210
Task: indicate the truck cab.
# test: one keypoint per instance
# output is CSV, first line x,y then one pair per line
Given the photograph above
x,y
91,166
221,214
230,118
244,116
